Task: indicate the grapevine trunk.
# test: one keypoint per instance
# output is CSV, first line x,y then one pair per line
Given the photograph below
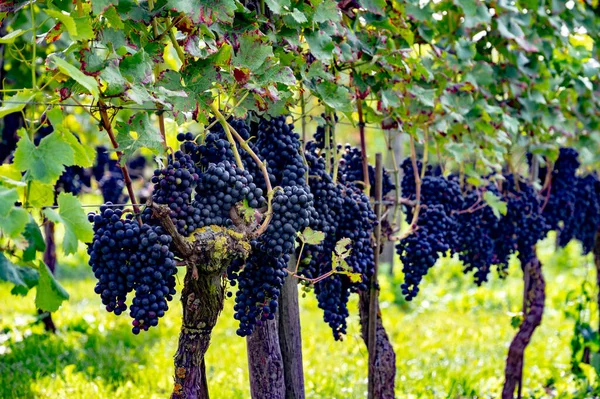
x,y
385,357
202,301
290,338
265,364
532,319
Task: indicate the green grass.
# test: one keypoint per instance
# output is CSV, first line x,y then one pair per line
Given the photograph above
x,y
450,342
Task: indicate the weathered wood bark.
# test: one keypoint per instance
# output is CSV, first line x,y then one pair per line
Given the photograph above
x,y
290,337
50,261
265,364
532,319
202,301
385,358
207,256
597,263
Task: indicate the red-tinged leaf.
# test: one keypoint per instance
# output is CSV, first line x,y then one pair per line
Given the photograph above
x,y
241,75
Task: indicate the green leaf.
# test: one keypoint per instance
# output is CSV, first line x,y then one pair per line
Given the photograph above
x,y
72,216
34,237
424,96
50,294
47,161
334,96
40,194
253,52
137,68
7,200
116,83
99,6
139,132
8,271
498,206
327,11
469,7
11,37
16,103
13,224
374,6
87,82
79,28
83,155
341,247
278,6
298,16
23,277
205,11
30,277
311,237
321,45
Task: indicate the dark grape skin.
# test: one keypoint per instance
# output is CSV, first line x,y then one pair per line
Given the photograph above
x,y
343,211
125,256
293,210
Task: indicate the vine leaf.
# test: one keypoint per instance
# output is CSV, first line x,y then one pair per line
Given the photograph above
x,y
50,294
253,52
205,11
374,6
7,200
327,11
34,237
47,161
138,132
334,96
79,28
498,206
88,82
11,37
16,103
278,6
72,216
83,155
24,278
12,219
311,237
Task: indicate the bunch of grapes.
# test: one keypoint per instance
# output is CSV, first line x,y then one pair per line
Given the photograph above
x,y
112,186
125,256
587,211
292,211
476,227
222,186
351,170
343,212
561,201
522,226
173,186
434,235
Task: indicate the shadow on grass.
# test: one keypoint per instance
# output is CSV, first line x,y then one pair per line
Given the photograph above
x,y
112,356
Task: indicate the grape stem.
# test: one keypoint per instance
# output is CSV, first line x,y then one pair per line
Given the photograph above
x,y
268,213
413,157
111,135
215,109
261,164
363,145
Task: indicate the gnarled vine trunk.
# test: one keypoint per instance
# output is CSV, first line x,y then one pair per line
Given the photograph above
x,y
202,301
290,338
265,364
597,263
206,255
532,318
385,358
50,261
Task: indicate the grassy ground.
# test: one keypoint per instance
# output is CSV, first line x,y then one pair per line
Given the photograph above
x,y
450,342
